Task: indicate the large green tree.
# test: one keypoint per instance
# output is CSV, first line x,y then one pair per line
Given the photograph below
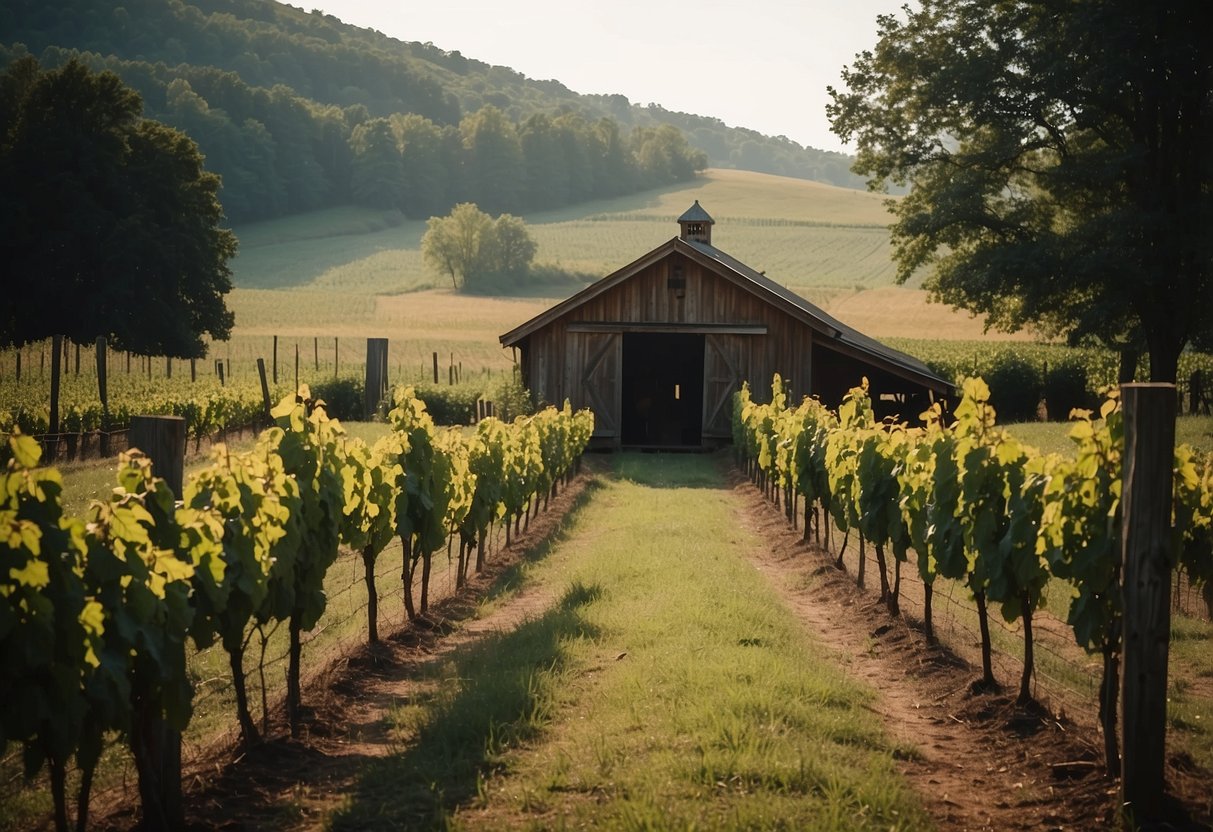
x,y
479,253
109,224
1059,155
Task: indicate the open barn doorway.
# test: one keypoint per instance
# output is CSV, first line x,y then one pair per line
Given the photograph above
x,y
662,390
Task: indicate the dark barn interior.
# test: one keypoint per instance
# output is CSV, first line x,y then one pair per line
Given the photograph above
x,y
662,390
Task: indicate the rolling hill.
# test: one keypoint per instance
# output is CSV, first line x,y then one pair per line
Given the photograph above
x,y
354,273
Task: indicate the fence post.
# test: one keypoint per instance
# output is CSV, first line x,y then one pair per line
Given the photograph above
x,y
103,444
162,439
52,439
376,374
1149,418
265,390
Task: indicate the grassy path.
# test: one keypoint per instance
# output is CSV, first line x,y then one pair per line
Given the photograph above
x,y
663,686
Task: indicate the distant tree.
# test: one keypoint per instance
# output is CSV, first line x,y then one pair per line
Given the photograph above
x,y
377,178
494,158
478,253
506,254
664,156
109,225
427,174
1059,158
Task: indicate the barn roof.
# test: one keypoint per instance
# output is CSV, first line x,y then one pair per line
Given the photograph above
x,y
845,338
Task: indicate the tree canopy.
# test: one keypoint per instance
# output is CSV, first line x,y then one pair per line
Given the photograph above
x,y
276,91
478,253
109,225
1059,158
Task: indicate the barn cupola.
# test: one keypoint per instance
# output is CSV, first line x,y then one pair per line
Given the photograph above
x,y
696,224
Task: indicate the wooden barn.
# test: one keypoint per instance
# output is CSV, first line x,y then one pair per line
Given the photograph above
x,y
657,348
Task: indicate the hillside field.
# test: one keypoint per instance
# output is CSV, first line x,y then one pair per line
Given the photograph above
x,y
354,273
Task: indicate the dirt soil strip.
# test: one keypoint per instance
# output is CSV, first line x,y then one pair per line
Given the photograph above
x,y
291,784
979,762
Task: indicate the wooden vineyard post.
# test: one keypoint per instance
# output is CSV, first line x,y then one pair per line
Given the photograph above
x,y
157,744
265,390
168,366
18,364
219,371
336,355
1149,414
296,365
316,352
162,439
193,371
275,357
435,368
52,436
376,374
103,445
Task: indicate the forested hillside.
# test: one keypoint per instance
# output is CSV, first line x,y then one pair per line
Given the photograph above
x,y
299,111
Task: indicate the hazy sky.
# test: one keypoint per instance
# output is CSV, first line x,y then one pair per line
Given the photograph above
x,y
762,64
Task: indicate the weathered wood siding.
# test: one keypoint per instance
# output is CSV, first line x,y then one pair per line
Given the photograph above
x,y
586,367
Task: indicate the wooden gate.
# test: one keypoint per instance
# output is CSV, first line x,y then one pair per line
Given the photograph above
x,y
721,378
599,357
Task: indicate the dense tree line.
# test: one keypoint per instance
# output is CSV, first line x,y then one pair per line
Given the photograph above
x,y
278,153
274,80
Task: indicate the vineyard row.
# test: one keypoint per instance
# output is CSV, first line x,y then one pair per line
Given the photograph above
x,y
96,612
973,505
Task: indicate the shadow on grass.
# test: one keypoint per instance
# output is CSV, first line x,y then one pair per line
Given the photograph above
x,y
671,470
512,578
492,696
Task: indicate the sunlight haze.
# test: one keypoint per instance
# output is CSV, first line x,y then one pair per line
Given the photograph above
x,y
763,65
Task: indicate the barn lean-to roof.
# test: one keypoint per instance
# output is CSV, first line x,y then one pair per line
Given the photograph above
x,y
844,338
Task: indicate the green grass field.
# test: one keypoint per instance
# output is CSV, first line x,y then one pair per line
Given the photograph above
x,y
358,273
667,687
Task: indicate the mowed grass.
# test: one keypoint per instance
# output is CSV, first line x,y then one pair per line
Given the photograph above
x,y
666,687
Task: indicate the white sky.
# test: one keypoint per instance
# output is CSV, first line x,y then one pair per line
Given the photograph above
x,y
761,64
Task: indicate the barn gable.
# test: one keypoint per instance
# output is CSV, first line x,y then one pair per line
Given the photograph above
x,y
657,348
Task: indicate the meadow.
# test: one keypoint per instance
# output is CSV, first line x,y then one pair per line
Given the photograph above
x,y
359,273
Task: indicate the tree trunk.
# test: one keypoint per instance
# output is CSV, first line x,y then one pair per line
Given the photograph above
x,y
156,748
1025,681
846,537
882,565
928,626
372,596
862,561
248,729
427,559
407,569
292,672
1128,365
480,552
52,437
987,665
86,788
58,775
1109,688
808,522
460,578
895,593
